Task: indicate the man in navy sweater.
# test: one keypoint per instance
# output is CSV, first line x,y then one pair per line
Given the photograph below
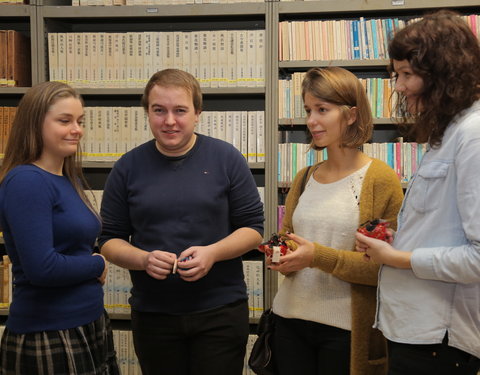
x,y
178,212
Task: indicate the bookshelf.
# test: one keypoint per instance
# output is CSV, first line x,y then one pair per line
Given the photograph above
x,y
58,16
331,11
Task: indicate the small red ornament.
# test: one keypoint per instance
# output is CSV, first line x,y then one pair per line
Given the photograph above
x,y
274,241
376,229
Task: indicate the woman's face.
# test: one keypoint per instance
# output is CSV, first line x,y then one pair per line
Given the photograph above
x,y
62,128
408,84
172,118
325,121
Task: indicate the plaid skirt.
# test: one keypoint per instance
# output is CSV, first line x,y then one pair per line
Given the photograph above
x,y
85,350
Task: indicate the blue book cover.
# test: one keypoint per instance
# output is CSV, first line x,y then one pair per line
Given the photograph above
x,y
356,41
380,95
390,154
390,30
373,26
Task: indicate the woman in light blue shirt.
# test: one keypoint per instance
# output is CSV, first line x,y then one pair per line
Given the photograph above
x,y
429,285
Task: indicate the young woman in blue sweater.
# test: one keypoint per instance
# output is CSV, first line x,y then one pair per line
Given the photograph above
x,y
56,323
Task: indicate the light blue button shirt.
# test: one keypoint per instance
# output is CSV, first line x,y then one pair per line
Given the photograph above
x,y
439,223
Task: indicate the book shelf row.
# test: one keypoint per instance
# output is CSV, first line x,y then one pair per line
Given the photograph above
x,y
379,93
219,58
347,39
402,157
112,131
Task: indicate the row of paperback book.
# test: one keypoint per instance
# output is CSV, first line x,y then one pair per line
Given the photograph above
x,y
243,129
336,39
402,157
347,39
15,63
219,58
112,131
379,93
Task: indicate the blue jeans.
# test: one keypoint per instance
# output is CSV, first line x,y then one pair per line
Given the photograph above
x,y
212,342
301,347
438,359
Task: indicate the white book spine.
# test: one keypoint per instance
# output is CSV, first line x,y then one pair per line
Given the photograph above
x,y
52,56
260,136
252,136
232,58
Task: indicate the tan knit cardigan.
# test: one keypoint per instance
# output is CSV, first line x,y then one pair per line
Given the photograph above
x,y
381,197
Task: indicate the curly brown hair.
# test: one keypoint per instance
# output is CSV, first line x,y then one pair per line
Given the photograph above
x,y
444,52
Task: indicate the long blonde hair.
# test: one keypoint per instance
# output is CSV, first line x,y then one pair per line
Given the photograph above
x,y
25,143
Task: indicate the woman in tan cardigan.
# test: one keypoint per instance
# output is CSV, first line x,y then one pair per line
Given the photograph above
x,y
325,307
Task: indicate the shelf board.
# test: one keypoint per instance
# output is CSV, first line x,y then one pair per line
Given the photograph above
x,y
19,10
13,90
359,6
188,10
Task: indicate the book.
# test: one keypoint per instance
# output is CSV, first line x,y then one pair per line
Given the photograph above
x,y
78,58
52,39
231,58
19,71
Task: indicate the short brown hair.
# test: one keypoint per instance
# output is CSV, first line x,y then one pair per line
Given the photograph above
x,y
342,88
175,78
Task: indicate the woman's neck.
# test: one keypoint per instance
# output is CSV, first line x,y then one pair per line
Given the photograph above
x,y
341,162
49,165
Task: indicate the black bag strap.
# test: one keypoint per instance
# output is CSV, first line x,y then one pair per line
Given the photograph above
x,y
304,179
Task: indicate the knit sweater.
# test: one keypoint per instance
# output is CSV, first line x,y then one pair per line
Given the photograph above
x,y
172,203
49,236
381,197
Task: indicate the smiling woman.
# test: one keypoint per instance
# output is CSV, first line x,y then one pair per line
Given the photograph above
x,y
50,229
325,306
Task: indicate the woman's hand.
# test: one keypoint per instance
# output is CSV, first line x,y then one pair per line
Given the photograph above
x,y
103,276
296,260
382,252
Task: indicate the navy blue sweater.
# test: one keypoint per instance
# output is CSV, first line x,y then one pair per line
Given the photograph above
x,y
170,204
49,236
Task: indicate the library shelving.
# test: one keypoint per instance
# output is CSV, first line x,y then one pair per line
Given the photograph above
x,y
337,18
46,17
